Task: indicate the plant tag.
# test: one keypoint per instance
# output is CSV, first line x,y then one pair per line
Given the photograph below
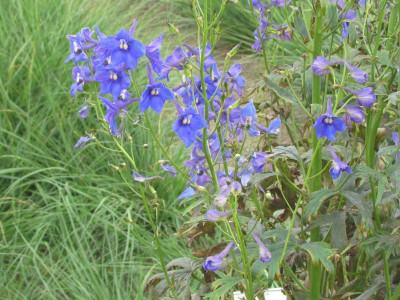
x,y
270,294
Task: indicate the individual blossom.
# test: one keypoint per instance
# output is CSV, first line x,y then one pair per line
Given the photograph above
x,y
124,49
236,82
353,113
187,124
260,34
258,161
187,193
273,128
214,215
338,166
227,187
84,112
82,142
155,95
327,124
395,138
168,168
249,117
265,254
282,32
114,109
140,178
81,75
77,49
113,80
174,61
153,54
365,96
214,263
358,75
321,65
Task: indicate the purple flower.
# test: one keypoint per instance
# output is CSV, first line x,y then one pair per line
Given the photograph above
x,y
77,49
273,128
140,178
155,96
353,113
81,75
124,49
249,117
265,255
113,80
358,75
365,96
214,263
187,193
187,125
283,33
395,138
338,166
153,54
82,142
168,168
174,61
236,82
258,161
227,187
320,65
113,110
214,215
84,112
327,124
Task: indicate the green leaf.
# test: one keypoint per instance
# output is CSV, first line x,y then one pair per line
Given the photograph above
x,y
382,182
281,92
394,98
320,252
222,285
363,207
289,151
338,231
299,25
384,58
316,200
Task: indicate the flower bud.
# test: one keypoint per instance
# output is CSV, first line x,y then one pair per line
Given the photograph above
x,y
145,146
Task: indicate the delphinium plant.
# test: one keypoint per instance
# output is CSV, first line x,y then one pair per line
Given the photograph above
x,y
260,214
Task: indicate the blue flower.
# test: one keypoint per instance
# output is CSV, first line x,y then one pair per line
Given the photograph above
x,y
258,161
154,96
187,125
113,80
214,215
358,75
321,65
168,168
174,61
84,112
353,113
273,128
236,82
113,110
327,124
365,96
338,166
82,142
77,49
80,74
249,117
187,193
214,263
153,54
265,255
140,178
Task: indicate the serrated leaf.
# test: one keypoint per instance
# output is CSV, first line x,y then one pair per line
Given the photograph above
x,y
382,182
289,151
320,252
359,201
394,98
316,200
281,92
338,230
223,285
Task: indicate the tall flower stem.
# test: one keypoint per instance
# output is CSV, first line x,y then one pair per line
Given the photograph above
x,y
242,246
316,181
153,225
372,128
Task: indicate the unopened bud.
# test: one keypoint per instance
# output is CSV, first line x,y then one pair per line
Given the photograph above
x,y
123,165
234,50
172,28
237,156
200,189
145,146
304,55
268,195
336,86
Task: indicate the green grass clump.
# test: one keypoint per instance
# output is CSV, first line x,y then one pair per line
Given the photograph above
x,y
63,232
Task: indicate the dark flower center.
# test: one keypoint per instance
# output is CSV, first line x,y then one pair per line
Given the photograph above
x,y
328,120
123,45
155,92
113,76
187,120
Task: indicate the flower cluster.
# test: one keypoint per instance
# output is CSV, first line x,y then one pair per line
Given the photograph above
x,y
328,124
266,29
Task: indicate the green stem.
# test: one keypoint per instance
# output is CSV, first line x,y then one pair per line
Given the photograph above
x,y
316,181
